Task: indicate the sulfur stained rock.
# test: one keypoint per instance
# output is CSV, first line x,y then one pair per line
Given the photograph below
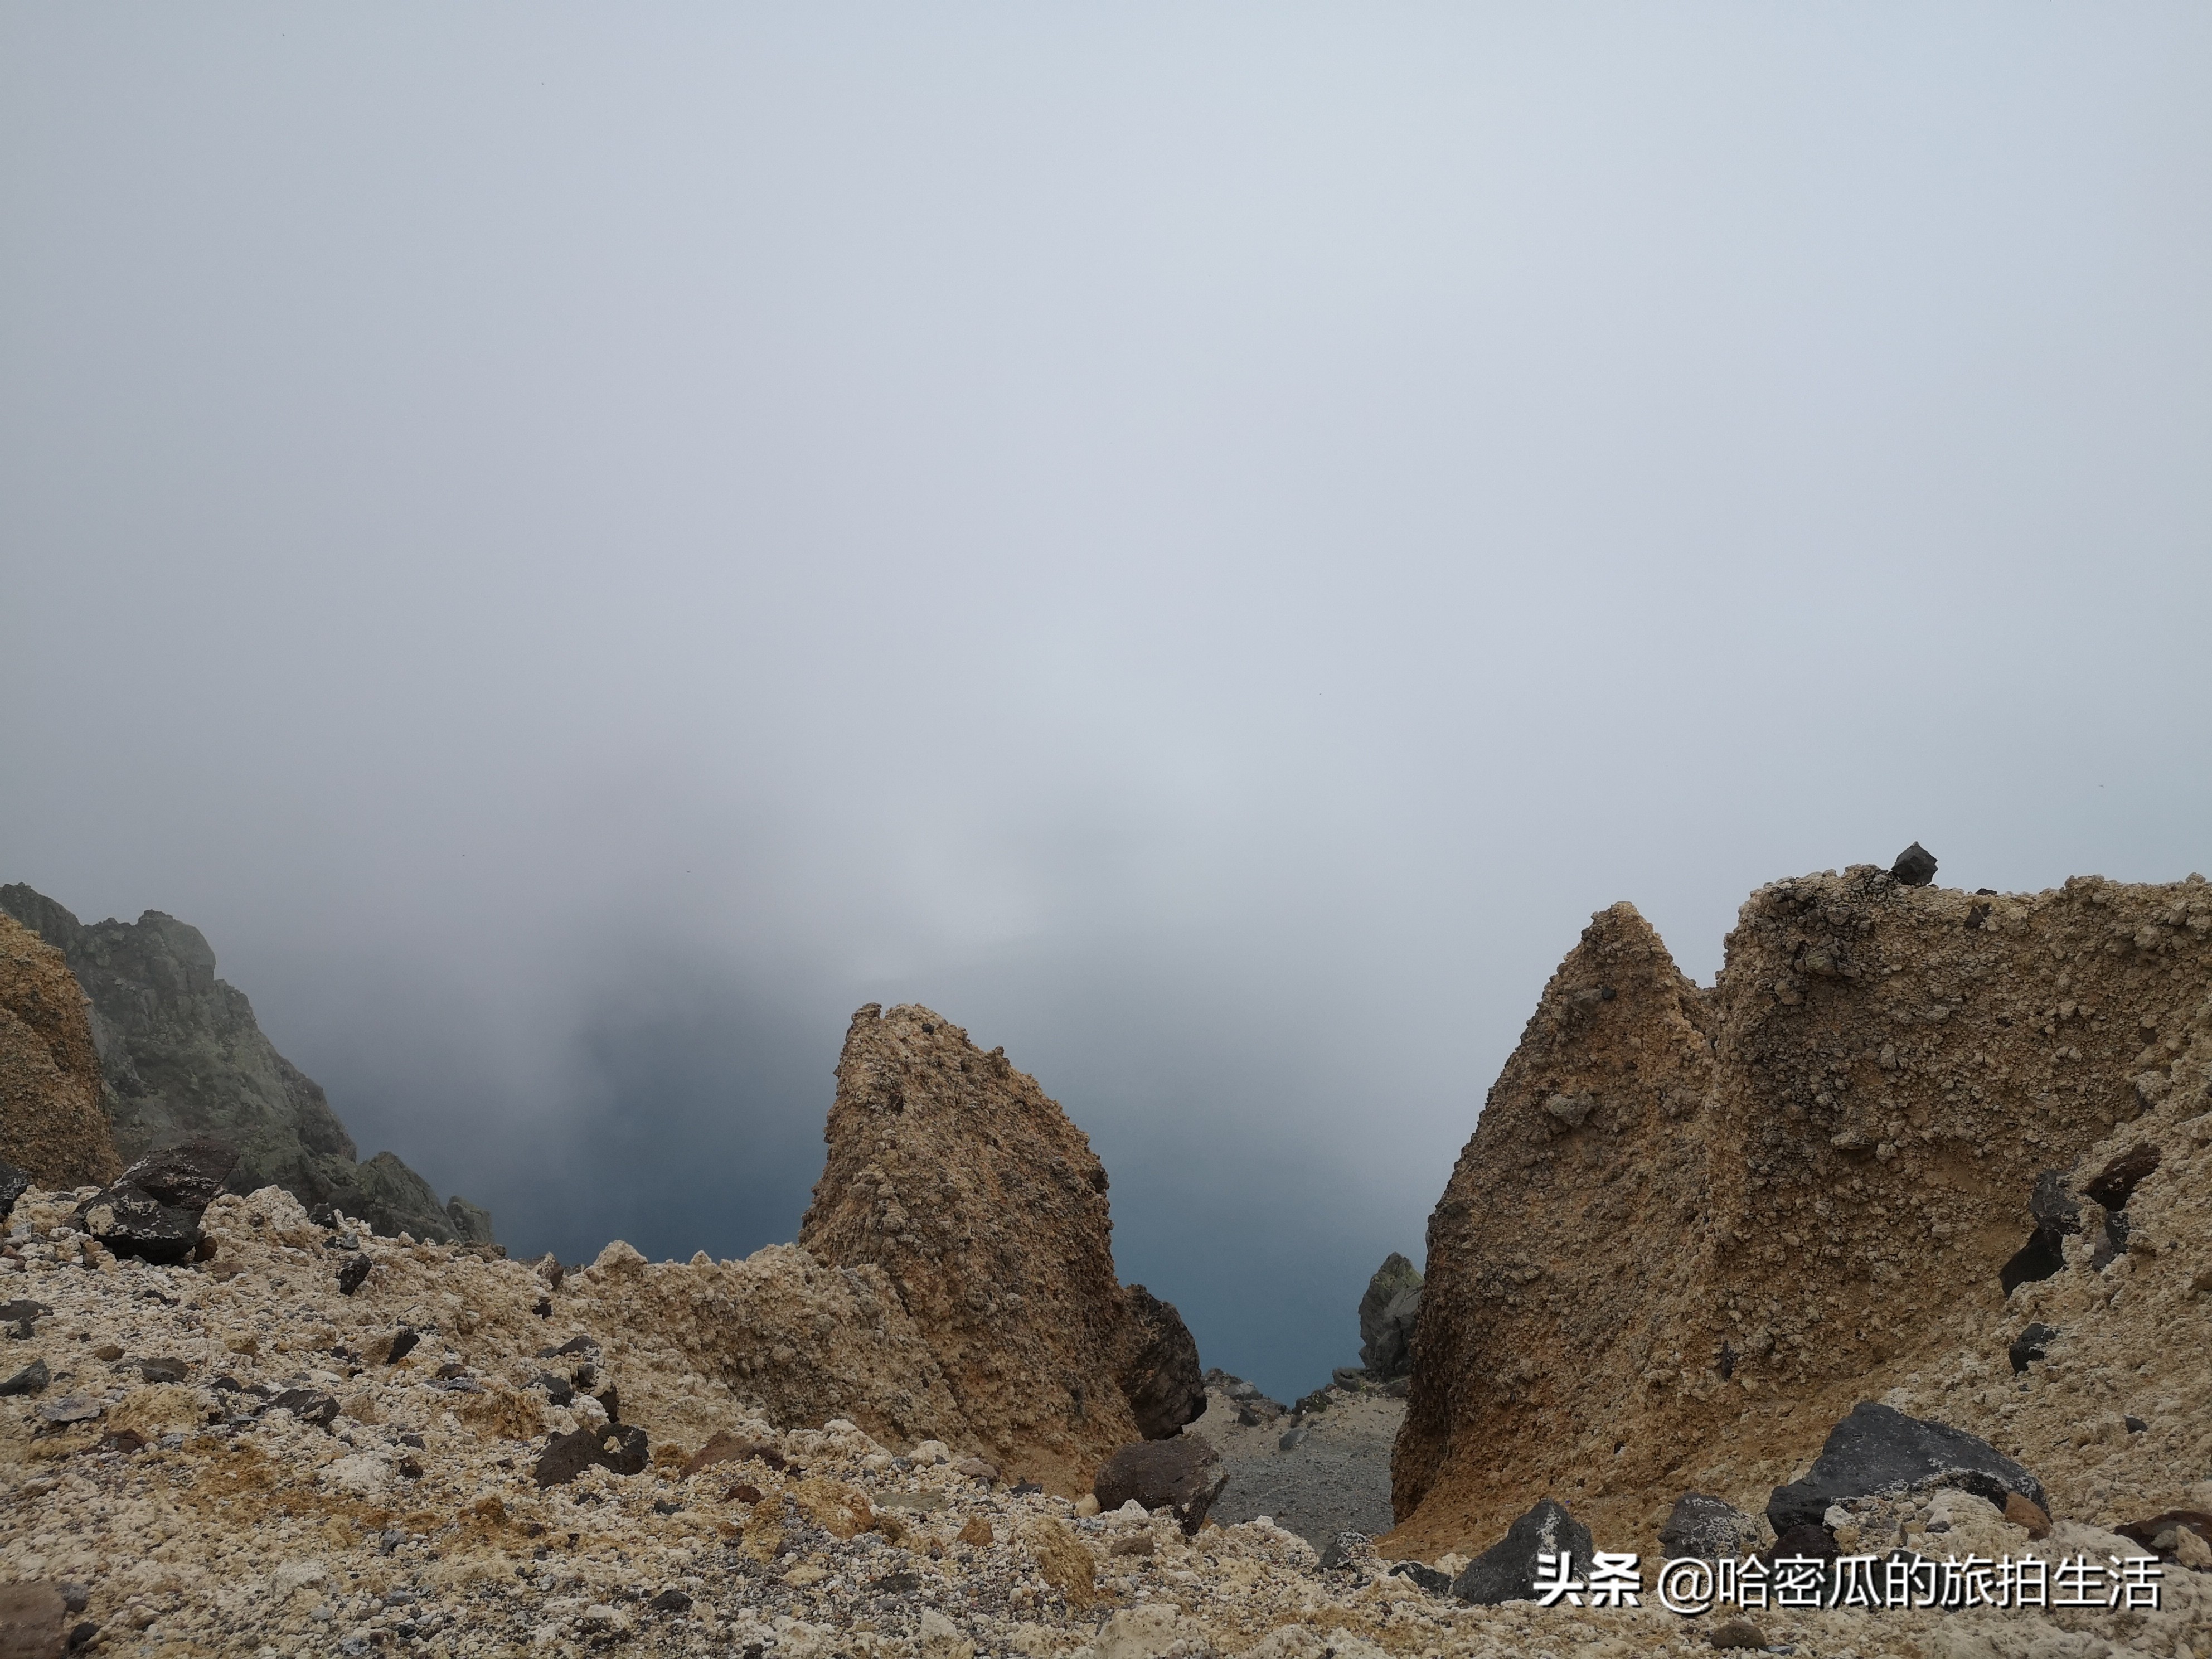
x,y
1808,1185
52,1126
983,1207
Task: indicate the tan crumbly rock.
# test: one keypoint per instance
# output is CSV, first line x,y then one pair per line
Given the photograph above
x,y
51,1124
297,1489
985,1208
1694,1227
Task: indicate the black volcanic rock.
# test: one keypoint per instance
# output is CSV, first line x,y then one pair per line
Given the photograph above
x,y
181,1056
1879,1449
1387,1312
1506,1572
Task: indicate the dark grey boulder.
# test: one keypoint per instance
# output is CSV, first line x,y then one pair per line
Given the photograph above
x,y
1506,1572
1160,1371
2030,1345
2053,1204
1388,1311
129,1222
1878,1449
1184,1476
1708,1528
189,1174
618,1446
1914,867
353,1272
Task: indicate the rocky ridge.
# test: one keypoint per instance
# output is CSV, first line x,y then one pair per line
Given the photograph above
x,y
180,1053
956,1178
1693,1228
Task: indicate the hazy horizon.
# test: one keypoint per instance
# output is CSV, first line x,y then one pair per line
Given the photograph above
x,y
578,546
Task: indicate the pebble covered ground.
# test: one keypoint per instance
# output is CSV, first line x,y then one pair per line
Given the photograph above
x,y
1334,1477
236,1457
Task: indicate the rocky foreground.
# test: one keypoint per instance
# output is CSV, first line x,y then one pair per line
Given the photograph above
x,y
235,1455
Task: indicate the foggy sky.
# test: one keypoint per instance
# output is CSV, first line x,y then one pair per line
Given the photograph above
x,y
581,544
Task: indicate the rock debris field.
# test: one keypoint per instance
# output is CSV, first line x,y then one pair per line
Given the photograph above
x,y
233,1457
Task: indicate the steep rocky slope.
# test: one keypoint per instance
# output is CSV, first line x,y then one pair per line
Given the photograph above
x,y
1693,1228
985,1209
51,1123
179,1052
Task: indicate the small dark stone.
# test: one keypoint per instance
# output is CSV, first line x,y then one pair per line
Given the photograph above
x,y
403,1344
1914,867
1293,1439
76,1597
574,1345
1342,1549
2114,1184
32,1379
162,1371
2042,1257
1026,1488
1312,1404
2030,1345
1725,1363
558,1389
2135,1425
452,1369
308,1405
1436,1583
616,1446
13,1183
325,1216
2053,1205
1879,1449
744,1492
1506,1572
610,1399
82,1635
413,1440
544,1308
22,1316
126,1440
188,1175
895,1584
410,1468
1248,1417
343,1242
663,1506
2148,1533
671,1601
351,1272
1707,1527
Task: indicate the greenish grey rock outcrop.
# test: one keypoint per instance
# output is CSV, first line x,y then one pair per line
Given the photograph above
x,y
180,1054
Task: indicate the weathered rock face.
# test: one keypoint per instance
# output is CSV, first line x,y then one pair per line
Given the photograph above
x,y
1693,1228
1387,1315
985,1209
180,1053
52,1126
801,1341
